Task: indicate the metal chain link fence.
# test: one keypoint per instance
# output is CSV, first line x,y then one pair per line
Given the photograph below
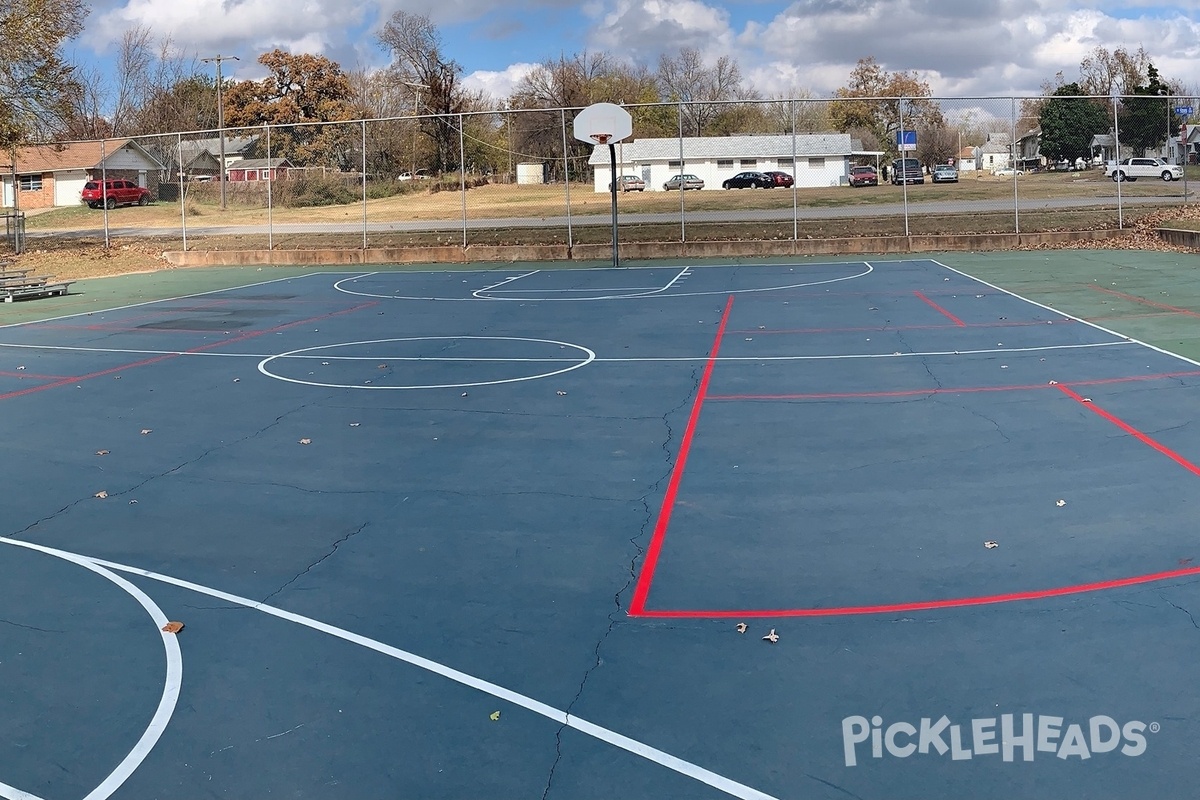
x,y
689,173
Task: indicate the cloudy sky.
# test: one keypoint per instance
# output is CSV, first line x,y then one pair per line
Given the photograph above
x,y
962,48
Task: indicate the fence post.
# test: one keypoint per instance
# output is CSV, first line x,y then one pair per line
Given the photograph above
x,y
900,153
682,191
364,181
1117,158
103,188
562,114
1012,114
462,175
270,198
795,175
182,197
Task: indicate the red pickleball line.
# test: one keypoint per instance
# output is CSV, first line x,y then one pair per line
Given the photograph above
x,y
641,591
964,602
941,310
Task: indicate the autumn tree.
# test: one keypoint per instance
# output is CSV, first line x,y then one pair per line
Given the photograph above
x,y
1069,121
37,84
1103,73
301,91
419,62
880,101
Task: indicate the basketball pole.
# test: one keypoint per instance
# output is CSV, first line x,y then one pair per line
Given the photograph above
x,y
612,159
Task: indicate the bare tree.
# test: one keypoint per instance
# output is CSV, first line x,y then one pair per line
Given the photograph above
x,y
1103,72
418,61
700,86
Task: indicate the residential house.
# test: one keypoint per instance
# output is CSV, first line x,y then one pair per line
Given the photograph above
x,y
996,153
259,169
812,159
1029,151
968,159
51,175
202,156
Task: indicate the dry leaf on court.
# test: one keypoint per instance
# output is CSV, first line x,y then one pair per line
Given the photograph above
x,y
464,394
1087,399
146,431
990,545
101,452
382,366
21,367
355,424
101,494
306,441
771,637
173,627
1054,383
133,502
561,393
1060,503
494,716
741,627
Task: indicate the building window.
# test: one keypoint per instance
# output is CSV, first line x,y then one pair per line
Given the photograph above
x,y
724,163
675,164
30,183
747,163
816,163
251,174
785,162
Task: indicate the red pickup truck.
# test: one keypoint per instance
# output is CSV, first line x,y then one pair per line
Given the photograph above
x,y
114,192
863,176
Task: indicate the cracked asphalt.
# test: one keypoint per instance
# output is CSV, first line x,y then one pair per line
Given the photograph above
x,y
380,585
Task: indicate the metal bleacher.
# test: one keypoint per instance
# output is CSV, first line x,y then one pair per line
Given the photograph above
x,y
18,284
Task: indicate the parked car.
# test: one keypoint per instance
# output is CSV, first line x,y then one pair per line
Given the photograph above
x,y
114,192
749,180
781,178
907,170
945,173
419,175
863,176
1133,168
629,183
683,182
1007,172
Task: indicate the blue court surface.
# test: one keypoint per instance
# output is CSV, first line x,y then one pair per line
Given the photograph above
x,y
845,530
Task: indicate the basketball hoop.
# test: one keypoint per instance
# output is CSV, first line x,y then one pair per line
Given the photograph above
x,y
600,138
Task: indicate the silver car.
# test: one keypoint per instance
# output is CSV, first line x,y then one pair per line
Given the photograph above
x,y
684,182
945,173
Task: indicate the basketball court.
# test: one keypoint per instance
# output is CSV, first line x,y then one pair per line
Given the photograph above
x,y
872,529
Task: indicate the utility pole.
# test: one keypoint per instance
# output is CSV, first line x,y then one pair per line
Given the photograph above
x,y
416,87
217,59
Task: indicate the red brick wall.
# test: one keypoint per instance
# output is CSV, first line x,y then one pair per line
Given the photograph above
x,y
40,198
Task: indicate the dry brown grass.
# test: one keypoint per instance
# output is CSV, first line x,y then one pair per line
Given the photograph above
x,y
71,258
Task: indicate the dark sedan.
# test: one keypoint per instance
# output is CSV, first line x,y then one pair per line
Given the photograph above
x,y
749,180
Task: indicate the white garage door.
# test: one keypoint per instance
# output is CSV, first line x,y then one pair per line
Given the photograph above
x,y
67,186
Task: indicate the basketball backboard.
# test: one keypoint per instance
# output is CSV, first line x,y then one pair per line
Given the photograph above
x,y
603,123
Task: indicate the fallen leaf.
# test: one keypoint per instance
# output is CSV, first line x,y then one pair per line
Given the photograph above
x,y
101,452
561,393
306,441
101,494
742,627
133,502
990,545
494,716
382,366
173,627
464,394
237,380
355,424
1060,503
1087,399
21,367
146,431
1054,383
771,637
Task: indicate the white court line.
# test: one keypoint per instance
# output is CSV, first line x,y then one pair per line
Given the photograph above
x,y
506,280
557,291
1128,339
172,683
613,738
614,360
12,793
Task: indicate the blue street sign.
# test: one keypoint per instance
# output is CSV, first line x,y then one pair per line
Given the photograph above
x,y
1183,111
906,140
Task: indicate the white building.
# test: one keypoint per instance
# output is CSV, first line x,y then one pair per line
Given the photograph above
x,y
821,159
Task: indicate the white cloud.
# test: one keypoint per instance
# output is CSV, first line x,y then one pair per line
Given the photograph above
x,y
498,84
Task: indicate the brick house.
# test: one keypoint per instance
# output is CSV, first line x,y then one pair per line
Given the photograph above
x,y
53,175
258,169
